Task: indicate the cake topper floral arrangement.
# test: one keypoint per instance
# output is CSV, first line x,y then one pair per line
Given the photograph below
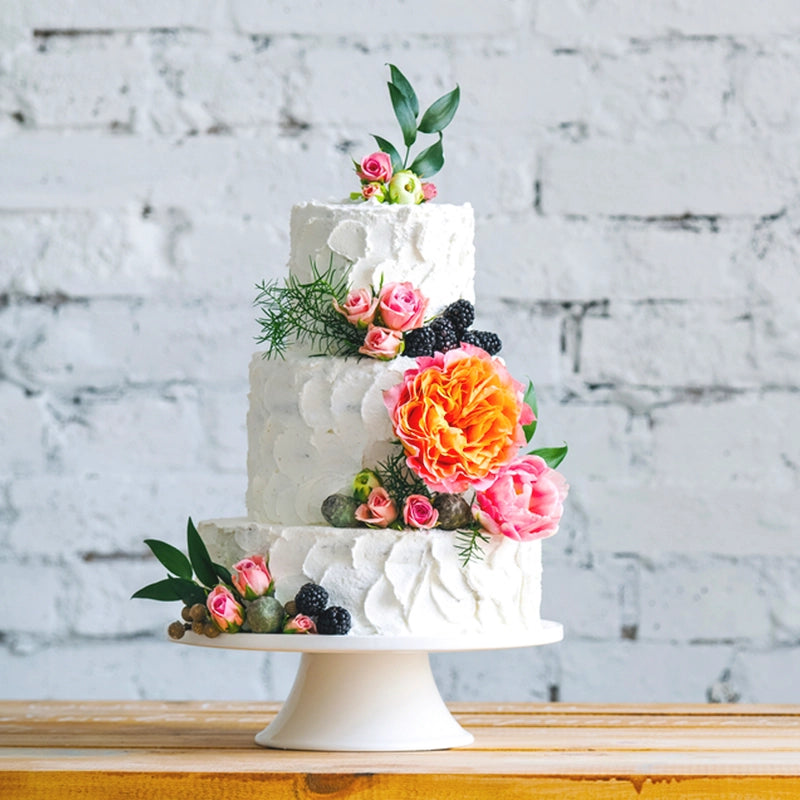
x,y
386,176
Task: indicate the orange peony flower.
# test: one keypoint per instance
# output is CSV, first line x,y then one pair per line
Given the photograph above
x,y
459,417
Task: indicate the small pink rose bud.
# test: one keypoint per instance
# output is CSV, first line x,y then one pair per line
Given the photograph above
x,y
251,577
299,623
418,512
359,307
382,343
428,191
380,510
374,191
224,609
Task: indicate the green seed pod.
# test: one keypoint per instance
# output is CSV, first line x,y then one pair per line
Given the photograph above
x,y
176,630
265,615
340,510
454,511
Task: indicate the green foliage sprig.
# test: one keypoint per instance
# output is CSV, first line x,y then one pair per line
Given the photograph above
x,y
435,119
180,583
304,312
552,456
469,544
398,480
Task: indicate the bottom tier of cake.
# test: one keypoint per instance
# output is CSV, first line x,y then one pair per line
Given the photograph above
x,y
394,583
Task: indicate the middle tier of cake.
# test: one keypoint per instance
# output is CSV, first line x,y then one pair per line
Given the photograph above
x,y
312,424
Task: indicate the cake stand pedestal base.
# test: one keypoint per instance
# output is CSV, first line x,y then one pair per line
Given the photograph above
x,y
369,692
364,701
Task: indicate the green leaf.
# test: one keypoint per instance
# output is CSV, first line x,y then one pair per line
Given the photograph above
x,y
223,574
172,558
530,399
388,148
429,161
552,456
201,561
440,113
405,115
401,82
188,591
161,590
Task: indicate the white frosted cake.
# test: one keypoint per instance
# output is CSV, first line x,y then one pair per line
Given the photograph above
x,y
314,422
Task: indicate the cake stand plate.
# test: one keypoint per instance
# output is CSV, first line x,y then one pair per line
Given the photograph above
x,y
367,692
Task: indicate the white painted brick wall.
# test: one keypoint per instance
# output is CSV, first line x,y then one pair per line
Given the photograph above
x,y
635,176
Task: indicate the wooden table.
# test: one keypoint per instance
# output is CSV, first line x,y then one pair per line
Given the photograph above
x,y
193,751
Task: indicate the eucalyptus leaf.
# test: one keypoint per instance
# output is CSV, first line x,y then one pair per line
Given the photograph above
x,y
440,113
429,161
160,590
405,115
401,82
172,558
530,399
390,150
188,591
552,456
201,561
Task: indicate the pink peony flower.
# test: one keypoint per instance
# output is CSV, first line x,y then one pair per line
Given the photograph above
x,y
418,512
374,190
459,417
379,511
224,609
402,307
300,623
359,307
429,191
525,502
375,167
251,577
382,343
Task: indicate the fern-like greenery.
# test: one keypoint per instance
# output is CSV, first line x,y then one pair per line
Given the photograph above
x,y
304,313
468,544
398,480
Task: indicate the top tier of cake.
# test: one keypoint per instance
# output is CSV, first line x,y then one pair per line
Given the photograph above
x,y
429,245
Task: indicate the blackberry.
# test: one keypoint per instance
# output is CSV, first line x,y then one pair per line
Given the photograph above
x,y
461,314
334,621
446,338
486,340
419,342
310,600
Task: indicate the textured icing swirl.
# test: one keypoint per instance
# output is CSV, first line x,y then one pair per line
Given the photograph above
x,y
313,423
398,583
430,245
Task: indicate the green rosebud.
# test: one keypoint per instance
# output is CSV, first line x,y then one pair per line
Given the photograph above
x,y
405,188
364,483
340,510
265,615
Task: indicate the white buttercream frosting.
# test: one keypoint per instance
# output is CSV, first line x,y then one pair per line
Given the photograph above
x,y
313,423
397,583
429,245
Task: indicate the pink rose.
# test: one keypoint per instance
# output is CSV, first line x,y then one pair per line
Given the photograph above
x,y
374,190
379,511
418,512
382,343
224,609
402,307
525,502
251,577
359,307
299,624
375,167
429,191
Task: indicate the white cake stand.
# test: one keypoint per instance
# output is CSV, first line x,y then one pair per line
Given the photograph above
x,y
367,692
